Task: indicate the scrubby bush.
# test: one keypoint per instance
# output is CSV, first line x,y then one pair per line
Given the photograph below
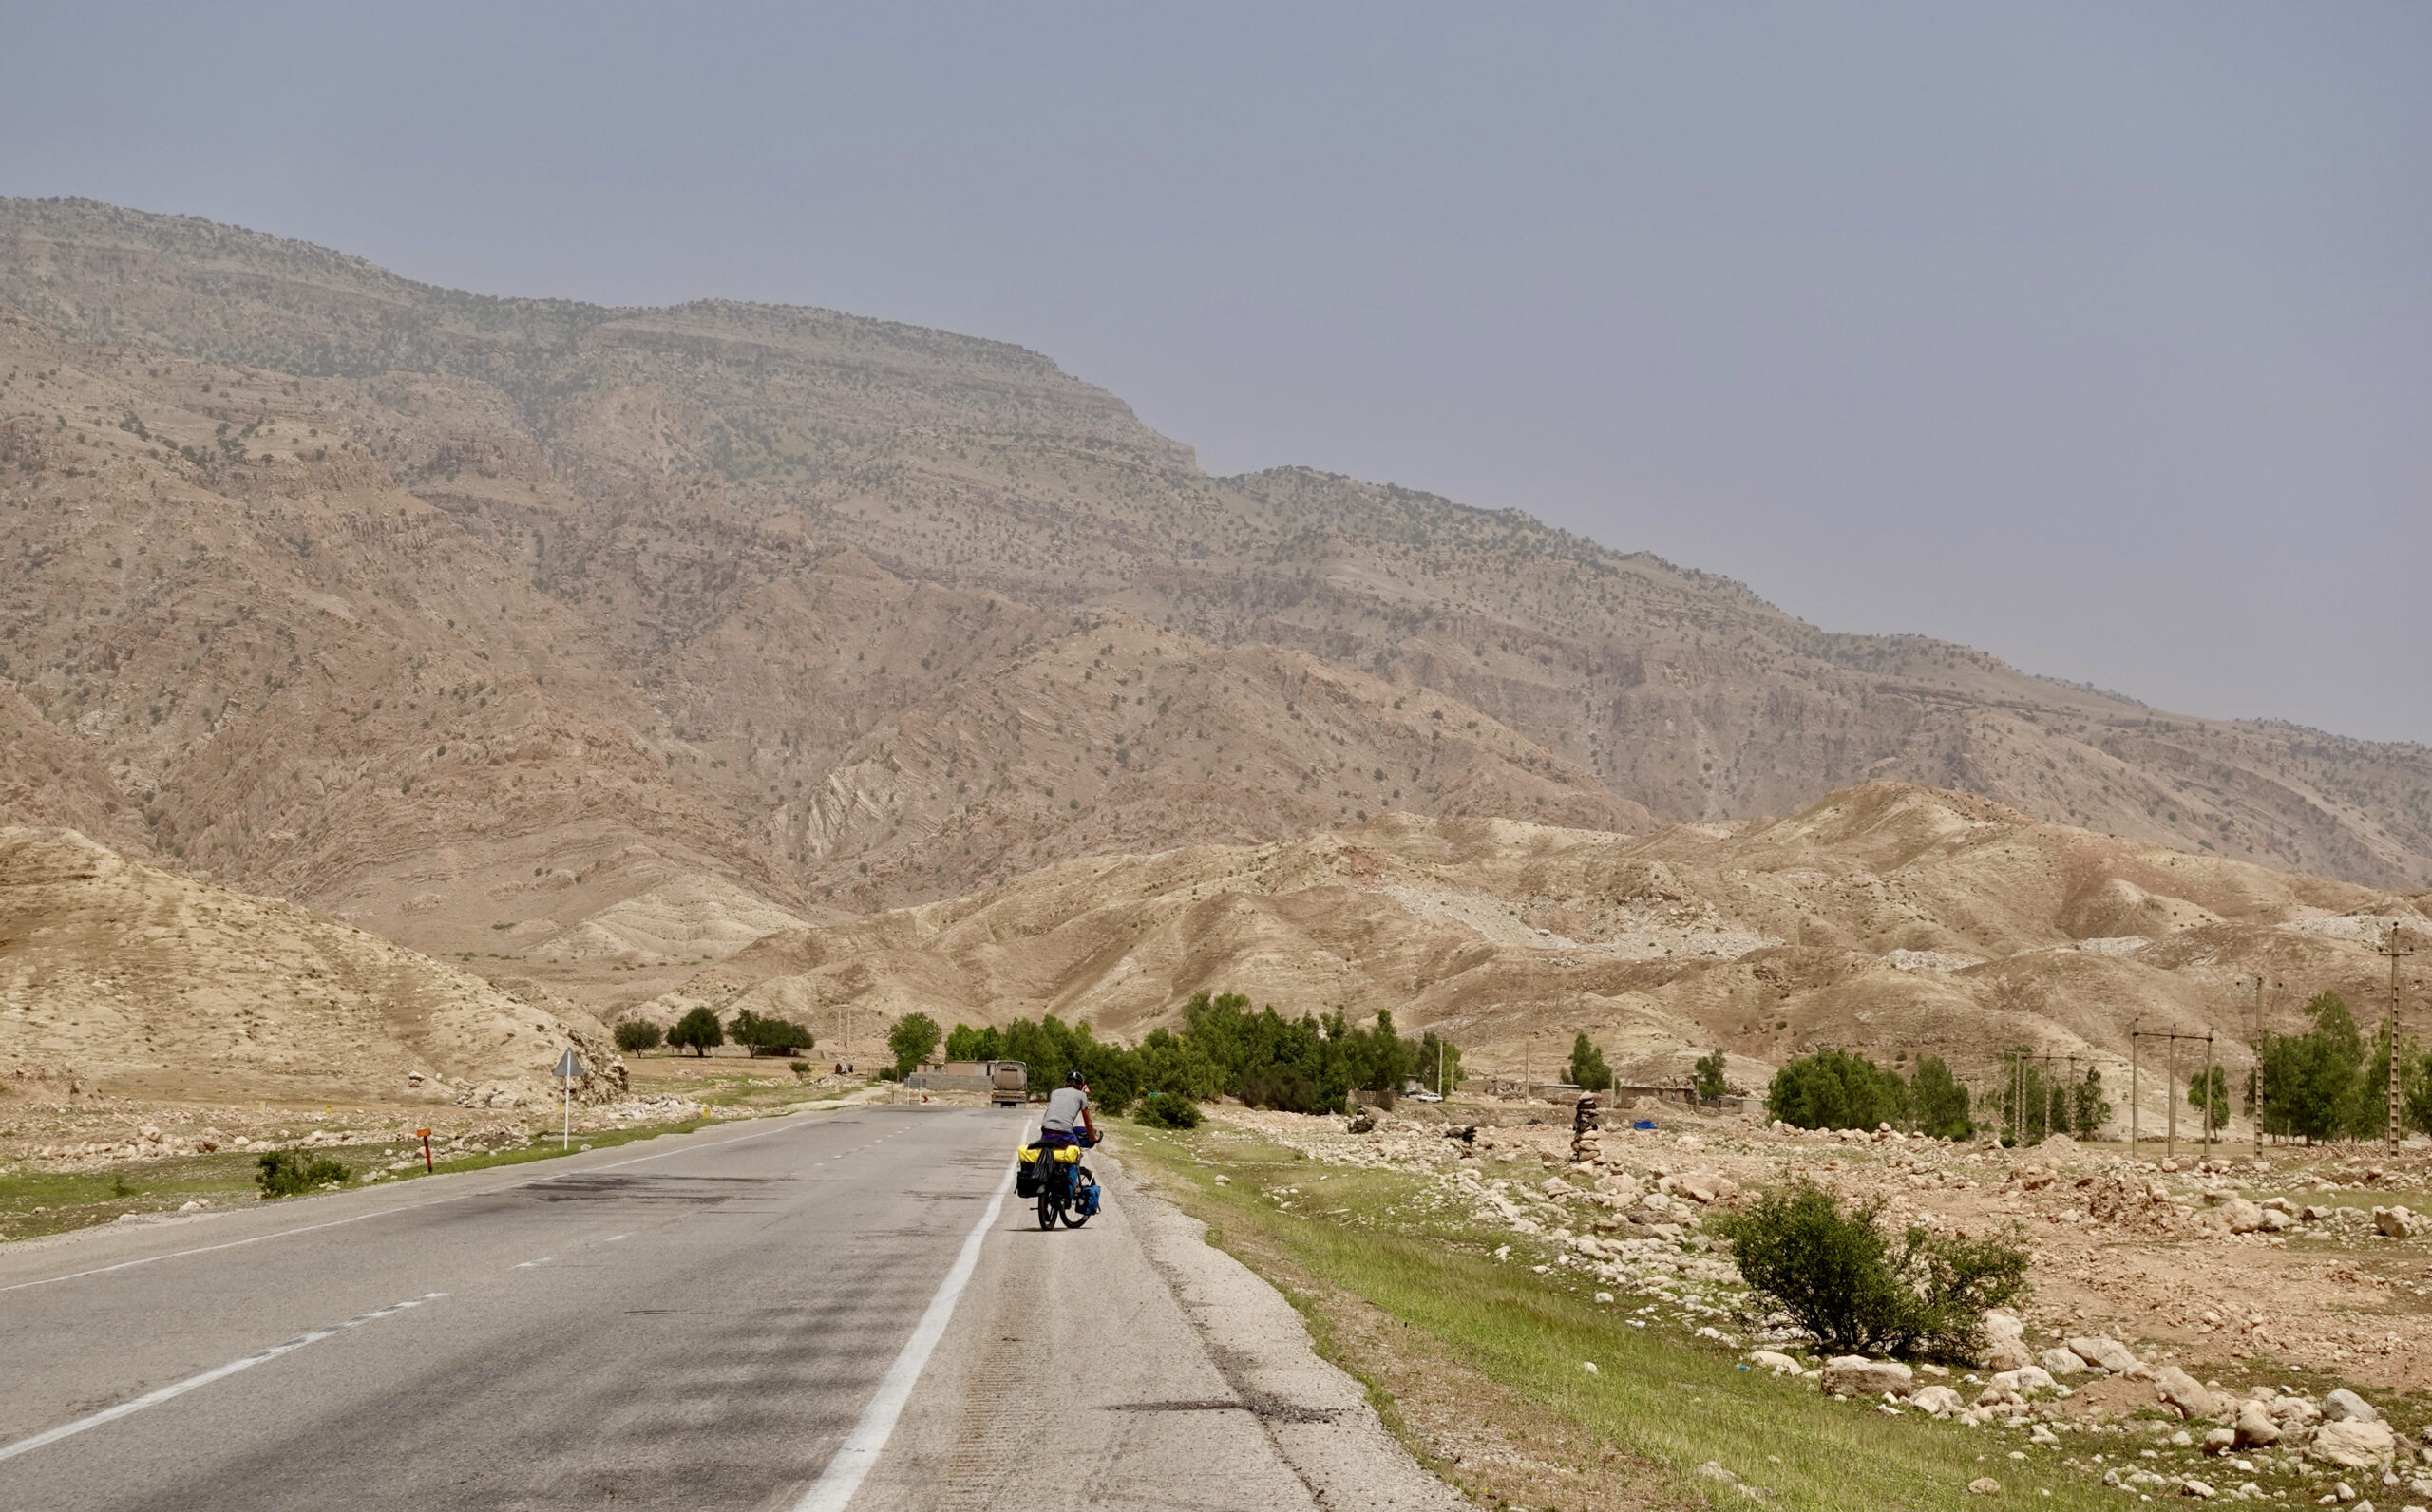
x,y
699,1030
762,1035
1166,1111
635,1035
1286,1090
290,1173
1843,1280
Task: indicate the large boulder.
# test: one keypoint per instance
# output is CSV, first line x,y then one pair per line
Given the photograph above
x,y
2060,1364
2353,1445
2183,1391
2397,1223
2241,1215
2344,1406
2006,1342
1778,1363
2111,1356
1937,1401
2255,1427
1856,1375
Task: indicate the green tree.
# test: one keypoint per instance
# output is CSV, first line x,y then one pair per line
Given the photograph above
x,y
1937,1101
762,1035
1587,1068
1837,1089
2313,1084
2415,1108
963,1043
699,1030
2031,1103
635,1035
914,1039
2088,1110
1439,1063
2209,1093
1707,1079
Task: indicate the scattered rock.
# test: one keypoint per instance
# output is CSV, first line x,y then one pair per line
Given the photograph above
x,y
2397,1223
1985,1485
2111,1356
2005,1342
2198,1489
2344,1406
1856,1375
2183,1391
1936,1401
2255,1427
2060,1364
2356,1446
2220,1440
1778,1363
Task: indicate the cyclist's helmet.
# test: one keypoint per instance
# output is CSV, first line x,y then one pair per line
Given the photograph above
x,y
1076,1079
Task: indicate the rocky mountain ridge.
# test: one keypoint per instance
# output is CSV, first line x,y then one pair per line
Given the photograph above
x,y
473,620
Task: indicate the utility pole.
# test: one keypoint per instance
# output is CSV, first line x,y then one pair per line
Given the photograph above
x,y
2211,1109
2133,1060
2257,1042
2391,948
2170,1099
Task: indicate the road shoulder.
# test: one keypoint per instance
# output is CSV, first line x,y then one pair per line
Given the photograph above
x,y
1318,1417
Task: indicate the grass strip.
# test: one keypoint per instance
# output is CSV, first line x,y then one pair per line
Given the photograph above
x,y
1384,1239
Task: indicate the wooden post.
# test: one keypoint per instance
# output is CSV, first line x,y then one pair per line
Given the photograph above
x,y
2132,1063
2170,1097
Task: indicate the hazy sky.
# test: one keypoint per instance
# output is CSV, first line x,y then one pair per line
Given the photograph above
x,y
2098,336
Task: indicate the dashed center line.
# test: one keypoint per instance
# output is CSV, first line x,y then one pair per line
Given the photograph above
x,y
217,1373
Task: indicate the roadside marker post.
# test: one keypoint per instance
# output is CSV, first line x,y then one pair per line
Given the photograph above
x,y
568,1068
427,1167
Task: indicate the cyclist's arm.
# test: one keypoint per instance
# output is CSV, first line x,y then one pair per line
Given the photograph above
x,y
1089,1122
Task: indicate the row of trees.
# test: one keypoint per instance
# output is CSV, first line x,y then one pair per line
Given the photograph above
x,y
1309,1064
701,1031
1844,1090
2332,1083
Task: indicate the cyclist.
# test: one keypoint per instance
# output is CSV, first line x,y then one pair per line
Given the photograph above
x,y
1068,1111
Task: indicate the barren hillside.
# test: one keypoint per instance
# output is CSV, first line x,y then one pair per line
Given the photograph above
x,y
659,482
1890,917
121,979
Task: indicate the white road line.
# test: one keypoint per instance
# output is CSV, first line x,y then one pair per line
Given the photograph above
x,y
403,1208
833,1490
542,1260
219,1373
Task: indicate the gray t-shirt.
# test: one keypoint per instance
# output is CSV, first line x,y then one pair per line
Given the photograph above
x,y
1064,1106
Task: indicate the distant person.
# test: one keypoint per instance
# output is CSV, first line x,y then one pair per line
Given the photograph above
x,y
1068,1106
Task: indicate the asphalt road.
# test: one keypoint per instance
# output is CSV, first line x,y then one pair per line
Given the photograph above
x,y
804,1313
